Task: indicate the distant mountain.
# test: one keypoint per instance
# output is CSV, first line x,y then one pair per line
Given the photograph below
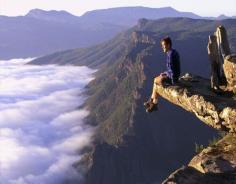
x,y
133,146
96,56
183,28
38,34
128,16
220,17
57,16
42,32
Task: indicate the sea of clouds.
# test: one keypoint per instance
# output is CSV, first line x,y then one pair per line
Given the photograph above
x,y
41,129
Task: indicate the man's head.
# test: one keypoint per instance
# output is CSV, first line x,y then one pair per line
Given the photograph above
x,y
166,44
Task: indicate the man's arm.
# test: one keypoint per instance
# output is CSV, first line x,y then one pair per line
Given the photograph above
x,y
174,70
174,67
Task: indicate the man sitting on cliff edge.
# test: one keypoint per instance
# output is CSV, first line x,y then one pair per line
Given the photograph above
x,y
170,76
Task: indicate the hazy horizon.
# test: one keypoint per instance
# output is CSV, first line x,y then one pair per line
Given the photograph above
x,y
13,8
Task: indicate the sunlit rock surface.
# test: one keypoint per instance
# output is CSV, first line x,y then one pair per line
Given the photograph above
x,y
230,71
215,164
193,93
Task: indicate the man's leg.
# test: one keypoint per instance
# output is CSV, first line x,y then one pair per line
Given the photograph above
x,y
157,81
151,104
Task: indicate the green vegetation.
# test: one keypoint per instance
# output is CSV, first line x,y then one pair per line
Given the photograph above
x,y
112,97
112,93
96,56
185,31
211,142
198,148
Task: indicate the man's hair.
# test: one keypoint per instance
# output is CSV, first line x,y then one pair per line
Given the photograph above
x,y
167,40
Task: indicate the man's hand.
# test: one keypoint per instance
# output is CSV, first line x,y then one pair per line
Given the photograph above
x,y
163,74
158,79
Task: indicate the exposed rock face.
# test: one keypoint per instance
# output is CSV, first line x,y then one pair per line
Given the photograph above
x,y
142,22
193,94
215,164
222,41
218,49
137,147
189,175
219,158
216,65
230,71
142,37
223,66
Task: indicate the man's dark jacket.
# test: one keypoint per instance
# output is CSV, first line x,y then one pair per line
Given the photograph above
x,y
173,65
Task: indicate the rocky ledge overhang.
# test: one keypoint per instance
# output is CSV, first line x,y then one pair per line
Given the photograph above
x,y
215,164
194,94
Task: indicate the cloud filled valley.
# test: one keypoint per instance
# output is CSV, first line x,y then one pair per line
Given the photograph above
x,y
41,128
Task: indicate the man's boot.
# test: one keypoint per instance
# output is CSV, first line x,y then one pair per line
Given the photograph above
x,y
147,103
152,107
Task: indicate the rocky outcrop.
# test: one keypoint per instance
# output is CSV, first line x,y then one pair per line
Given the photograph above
x,y
137,147
215,164
193,93
219,158
143,37
230,72
142,22
218,49
213,102
189,175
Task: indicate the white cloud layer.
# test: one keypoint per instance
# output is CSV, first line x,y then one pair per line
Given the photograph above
x,y
41,129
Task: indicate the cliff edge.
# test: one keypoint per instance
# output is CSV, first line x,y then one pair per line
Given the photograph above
x,y
194,94
216,163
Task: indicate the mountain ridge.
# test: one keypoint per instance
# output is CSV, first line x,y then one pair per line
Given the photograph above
x,y
134,13
144,148
52,15
43,32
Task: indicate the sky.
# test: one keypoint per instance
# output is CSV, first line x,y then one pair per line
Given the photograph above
x,y
78,7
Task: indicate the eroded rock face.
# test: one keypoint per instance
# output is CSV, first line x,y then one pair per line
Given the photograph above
x,y
219,158
143,37
189,175
142,22
194,94
218,49
215,164
230,71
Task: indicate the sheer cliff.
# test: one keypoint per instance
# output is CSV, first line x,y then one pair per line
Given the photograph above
x,y
130,145
215,107
216,163
145,149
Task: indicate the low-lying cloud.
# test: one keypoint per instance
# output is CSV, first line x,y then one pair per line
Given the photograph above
x,y
41,129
